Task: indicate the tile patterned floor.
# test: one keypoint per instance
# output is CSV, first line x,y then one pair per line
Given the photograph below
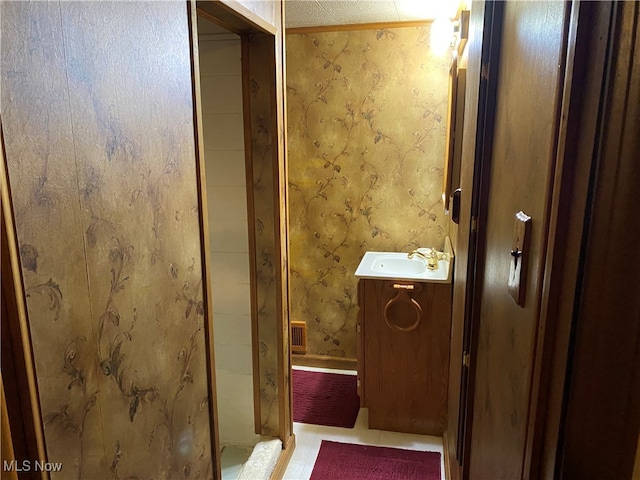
x,y
232,460
309,437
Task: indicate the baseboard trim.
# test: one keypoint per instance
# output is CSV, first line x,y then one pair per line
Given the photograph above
x,y
325,361
283,460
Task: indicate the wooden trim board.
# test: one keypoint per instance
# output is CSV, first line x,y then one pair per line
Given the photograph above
x,y
235,17
357,26
284,459
26,390
204,235
325,361
251,219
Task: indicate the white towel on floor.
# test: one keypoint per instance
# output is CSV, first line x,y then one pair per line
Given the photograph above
x,y
262,461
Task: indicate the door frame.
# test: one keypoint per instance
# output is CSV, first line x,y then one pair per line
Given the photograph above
x,y
579,353
262,46
489,64
22,425
484,53
588,27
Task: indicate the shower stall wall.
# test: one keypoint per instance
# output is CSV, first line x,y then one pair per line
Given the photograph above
x,y
221,90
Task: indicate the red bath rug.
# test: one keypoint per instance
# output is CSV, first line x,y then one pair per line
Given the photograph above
x,y
325,398
363,462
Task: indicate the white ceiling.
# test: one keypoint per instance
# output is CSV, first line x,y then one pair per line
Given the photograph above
x,y
313,13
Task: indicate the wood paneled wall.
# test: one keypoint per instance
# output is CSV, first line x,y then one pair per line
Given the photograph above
x,y
98,117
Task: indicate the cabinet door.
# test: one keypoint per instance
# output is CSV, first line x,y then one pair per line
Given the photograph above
x,y
406,365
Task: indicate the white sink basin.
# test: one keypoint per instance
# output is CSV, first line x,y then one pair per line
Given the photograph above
x,y
397,265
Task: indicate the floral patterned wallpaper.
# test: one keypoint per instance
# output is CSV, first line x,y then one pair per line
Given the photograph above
x,y
98,124
366,139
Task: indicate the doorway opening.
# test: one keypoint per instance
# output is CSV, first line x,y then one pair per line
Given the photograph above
x,y
222,116
242,162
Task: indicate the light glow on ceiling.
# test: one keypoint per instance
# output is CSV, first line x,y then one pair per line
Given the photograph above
x,y
441,35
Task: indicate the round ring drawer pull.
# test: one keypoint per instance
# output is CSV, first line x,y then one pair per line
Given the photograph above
x,y
402,299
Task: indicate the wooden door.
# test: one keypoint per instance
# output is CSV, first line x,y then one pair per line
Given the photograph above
x,y
483,52
529,84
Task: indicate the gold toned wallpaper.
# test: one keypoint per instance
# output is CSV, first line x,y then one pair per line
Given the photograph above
x,y
97,112
366,139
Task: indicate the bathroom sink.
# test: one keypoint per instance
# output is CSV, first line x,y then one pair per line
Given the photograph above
x,y
398,265
394,265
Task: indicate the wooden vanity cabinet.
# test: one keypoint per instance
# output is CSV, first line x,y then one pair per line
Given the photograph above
x,y
403,354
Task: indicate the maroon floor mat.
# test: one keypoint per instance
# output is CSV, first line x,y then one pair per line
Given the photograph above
x,y
325,398
364,462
